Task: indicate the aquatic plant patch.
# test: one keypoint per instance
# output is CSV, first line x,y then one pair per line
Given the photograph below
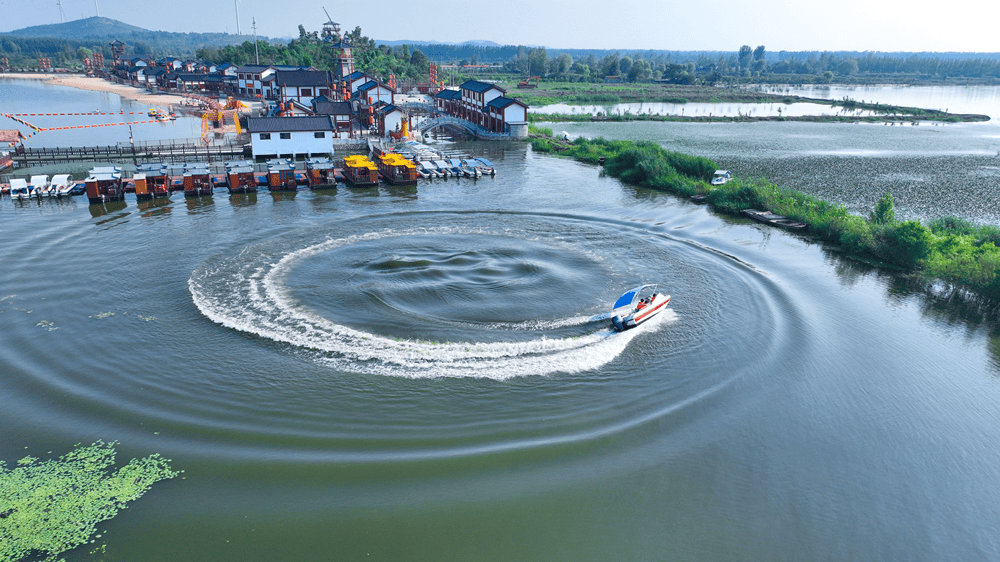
x,y
49,507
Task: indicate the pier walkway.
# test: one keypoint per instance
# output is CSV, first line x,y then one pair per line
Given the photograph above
x,y
166,151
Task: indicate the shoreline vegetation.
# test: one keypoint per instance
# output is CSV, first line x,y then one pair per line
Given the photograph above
x,y
610,94
949,248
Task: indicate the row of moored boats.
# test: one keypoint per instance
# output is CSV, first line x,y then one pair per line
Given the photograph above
x,y
153,180
40,186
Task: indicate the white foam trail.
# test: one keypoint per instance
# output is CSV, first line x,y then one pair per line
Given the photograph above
x,y
251,297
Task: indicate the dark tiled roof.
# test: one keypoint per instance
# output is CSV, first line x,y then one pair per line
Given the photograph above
x,y
503,102
477,86
327,107
303,78
289,124
449,94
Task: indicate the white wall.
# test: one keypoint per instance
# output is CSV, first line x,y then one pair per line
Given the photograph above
x,y
301,142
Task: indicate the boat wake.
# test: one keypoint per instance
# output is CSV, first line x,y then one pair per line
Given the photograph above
x,y
249,292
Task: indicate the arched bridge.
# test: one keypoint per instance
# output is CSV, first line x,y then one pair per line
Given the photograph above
x,y
448,120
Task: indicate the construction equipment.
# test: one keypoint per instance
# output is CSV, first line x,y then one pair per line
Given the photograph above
x,y
526,84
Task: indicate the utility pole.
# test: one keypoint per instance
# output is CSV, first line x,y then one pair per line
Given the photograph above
x,y
256,52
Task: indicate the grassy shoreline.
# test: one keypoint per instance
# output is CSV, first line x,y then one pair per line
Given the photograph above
x,y
949,248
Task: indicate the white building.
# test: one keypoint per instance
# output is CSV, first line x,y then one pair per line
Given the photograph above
x,y
291,136
372,92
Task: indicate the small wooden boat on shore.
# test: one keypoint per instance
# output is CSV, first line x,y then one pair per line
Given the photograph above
x,y
767,217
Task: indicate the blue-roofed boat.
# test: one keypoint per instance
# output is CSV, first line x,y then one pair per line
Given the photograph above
x,y
443,168
636,306
488,167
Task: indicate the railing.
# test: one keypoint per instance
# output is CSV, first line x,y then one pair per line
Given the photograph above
x,y
477,130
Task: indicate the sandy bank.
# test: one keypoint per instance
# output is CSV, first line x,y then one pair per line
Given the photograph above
x,y
100,85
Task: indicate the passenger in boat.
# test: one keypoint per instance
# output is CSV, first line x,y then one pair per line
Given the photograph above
x,y
641,305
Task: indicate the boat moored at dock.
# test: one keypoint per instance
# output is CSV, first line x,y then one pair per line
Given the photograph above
x,y
320,173
197,180
241,177
281,175
360,171
19,189
62,185
488,168
397,169
443,168
151,181
104,185
38,186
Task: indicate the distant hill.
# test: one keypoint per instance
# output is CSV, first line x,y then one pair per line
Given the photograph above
x,y
473,43
79,29
96,32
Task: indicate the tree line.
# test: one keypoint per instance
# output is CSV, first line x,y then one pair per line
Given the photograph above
x,y
411,62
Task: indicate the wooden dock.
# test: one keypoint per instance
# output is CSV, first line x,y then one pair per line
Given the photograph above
x,y
164,152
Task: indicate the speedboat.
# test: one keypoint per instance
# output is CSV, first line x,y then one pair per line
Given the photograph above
x,y
636,306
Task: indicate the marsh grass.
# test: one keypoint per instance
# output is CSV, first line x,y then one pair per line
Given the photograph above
x,y
949,248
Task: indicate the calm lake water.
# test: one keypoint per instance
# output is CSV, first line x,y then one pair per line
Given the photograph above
x,y
427,373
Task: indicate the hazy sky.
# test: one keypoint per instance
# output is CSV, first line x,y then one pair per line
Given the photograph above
x,y
872,25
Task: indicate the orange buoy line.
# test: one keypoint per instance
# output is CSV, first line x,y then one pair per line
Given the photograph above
x,y
37,129
61,114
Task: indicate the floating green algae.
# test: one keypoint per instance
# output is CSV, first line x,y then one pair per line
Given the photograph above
x,y
49,507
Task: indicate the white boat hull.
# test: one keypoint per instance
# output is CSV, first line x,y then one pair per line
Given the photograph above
x,y
641,313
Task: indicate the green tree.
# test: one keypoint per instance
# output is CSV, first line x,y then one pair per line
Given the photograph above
x,y
885,212
419,61
640,71
563,63
745,56
624,65
538,61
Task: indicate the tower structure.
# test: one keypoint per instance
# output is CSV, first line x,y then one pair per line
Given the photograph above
x,y
343,57
343,60
117,51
